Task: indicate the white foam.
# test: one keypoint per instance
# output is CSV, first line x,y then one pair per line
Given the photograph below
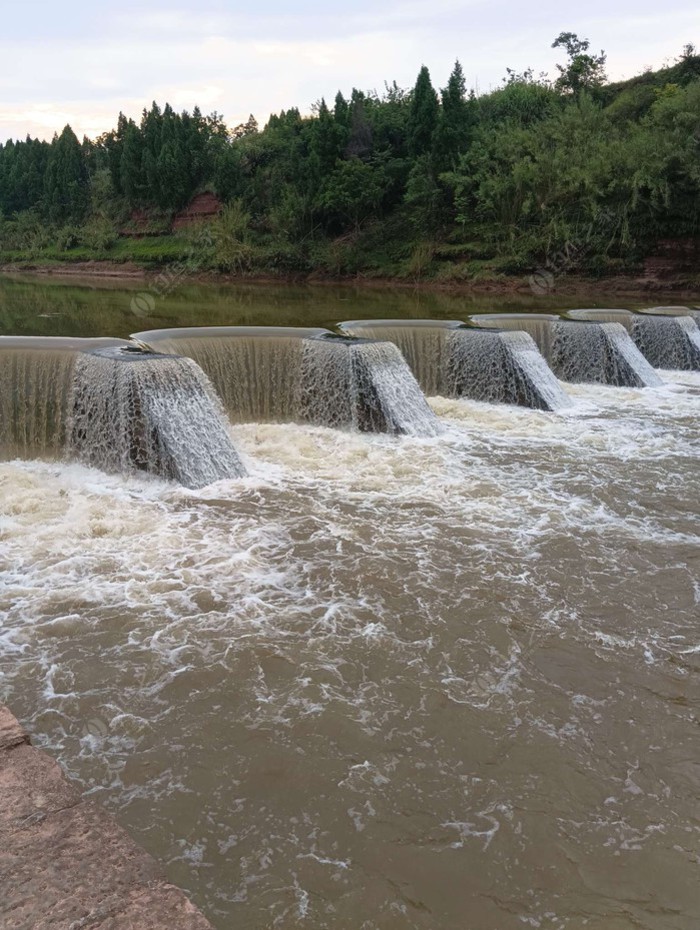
x,y
353,633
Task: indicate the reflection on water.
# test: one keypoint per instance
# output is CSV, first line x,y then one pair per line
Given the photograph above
x,y
381,683
40,307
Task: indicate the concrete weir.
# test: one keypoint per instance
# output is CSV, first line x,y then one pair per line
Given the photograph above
x,y
580,352
693,312
290,374
140,411
453,360
65,863
107,403
36,383
667,339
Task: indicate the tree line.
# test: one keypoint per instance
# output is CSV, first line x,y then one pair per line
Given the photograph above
x,y
397,182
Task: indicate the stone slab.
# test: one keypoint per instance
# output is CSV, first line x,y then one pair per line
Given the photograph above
x,y
32,785
65,863
11,733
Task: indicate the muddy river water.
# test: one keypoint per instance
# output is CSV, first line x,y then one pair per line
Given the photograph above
x,y
384,682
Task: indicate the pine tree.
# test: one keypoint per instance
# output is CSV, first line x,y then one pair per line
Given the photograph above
x,y
423,117
66,191
130,170
324,145
452,134
341,110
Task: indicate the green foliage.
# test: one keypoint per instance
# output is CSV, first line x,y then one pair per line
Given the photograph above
x,y
353,192
424,115
582,71
453,129
230,245
404,182
98,235
424,196
66,192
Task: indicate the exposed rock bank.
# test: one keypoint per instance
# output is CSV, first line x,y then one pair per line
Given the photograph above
x,y
64,862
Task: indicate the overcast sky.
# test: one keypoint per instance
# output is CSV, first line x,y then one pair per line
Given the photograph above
x,y
82,62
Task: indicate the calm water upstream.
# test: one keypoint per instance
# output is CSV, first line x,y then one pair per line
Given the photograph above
x,y
378,683
60,307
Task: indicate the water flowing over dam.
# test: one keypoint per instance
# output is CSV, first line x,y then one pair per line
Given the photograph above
x,y
453,360
666,339
364,384
413,683
693,312
604,315
136,411
99,402
286,374
36,386
578,352
668,342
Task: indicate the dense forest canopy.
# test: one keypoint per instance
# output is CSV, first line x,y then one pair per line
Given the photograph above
x,y
393,182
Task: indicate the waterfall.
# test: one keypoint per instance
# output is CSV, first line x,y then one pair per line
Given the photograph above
x,y
668,341
36,381
536,325
693,312
135,411
602,353
288,374
582,351
363,384
423,343
450,359
504,368
119,410
256,370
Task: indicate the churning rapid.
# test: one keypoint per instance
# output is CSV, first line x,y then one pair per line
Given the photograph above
x,y
385,684
437,680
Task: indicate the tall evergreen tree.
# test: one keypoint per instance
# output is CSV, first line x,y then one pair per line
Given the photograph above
x,y
66,190
452,134
130,171
341,110
423,117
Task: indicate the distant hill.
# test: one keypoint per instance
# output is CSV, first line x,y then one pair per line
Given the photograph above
x,y
573,176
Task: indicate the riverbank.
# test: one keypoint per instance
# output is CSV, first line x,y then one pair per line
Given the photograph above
x,y
164,277
65,862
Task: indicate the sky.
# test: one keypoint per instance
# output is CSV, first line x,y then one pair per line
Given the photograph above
x,y
82,62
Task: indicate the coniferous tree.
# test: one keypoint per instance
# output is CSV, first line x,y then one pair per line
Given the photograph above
x,y
452,133
423,117
66,190
341,110
130,171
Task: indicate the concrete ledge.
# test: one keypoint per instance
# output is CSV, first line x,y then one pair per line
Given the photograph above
x,y
65,864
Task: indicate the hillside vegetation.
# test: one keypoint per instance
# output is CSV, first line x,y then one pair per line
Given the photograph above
x,y
574,174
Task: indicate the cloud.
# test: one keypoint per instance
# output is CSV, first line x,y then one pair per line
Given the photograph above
x,y
272,57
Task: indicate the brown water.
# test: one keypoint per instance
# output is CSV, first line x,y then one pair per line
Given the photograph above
x,y
41,306
381,682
